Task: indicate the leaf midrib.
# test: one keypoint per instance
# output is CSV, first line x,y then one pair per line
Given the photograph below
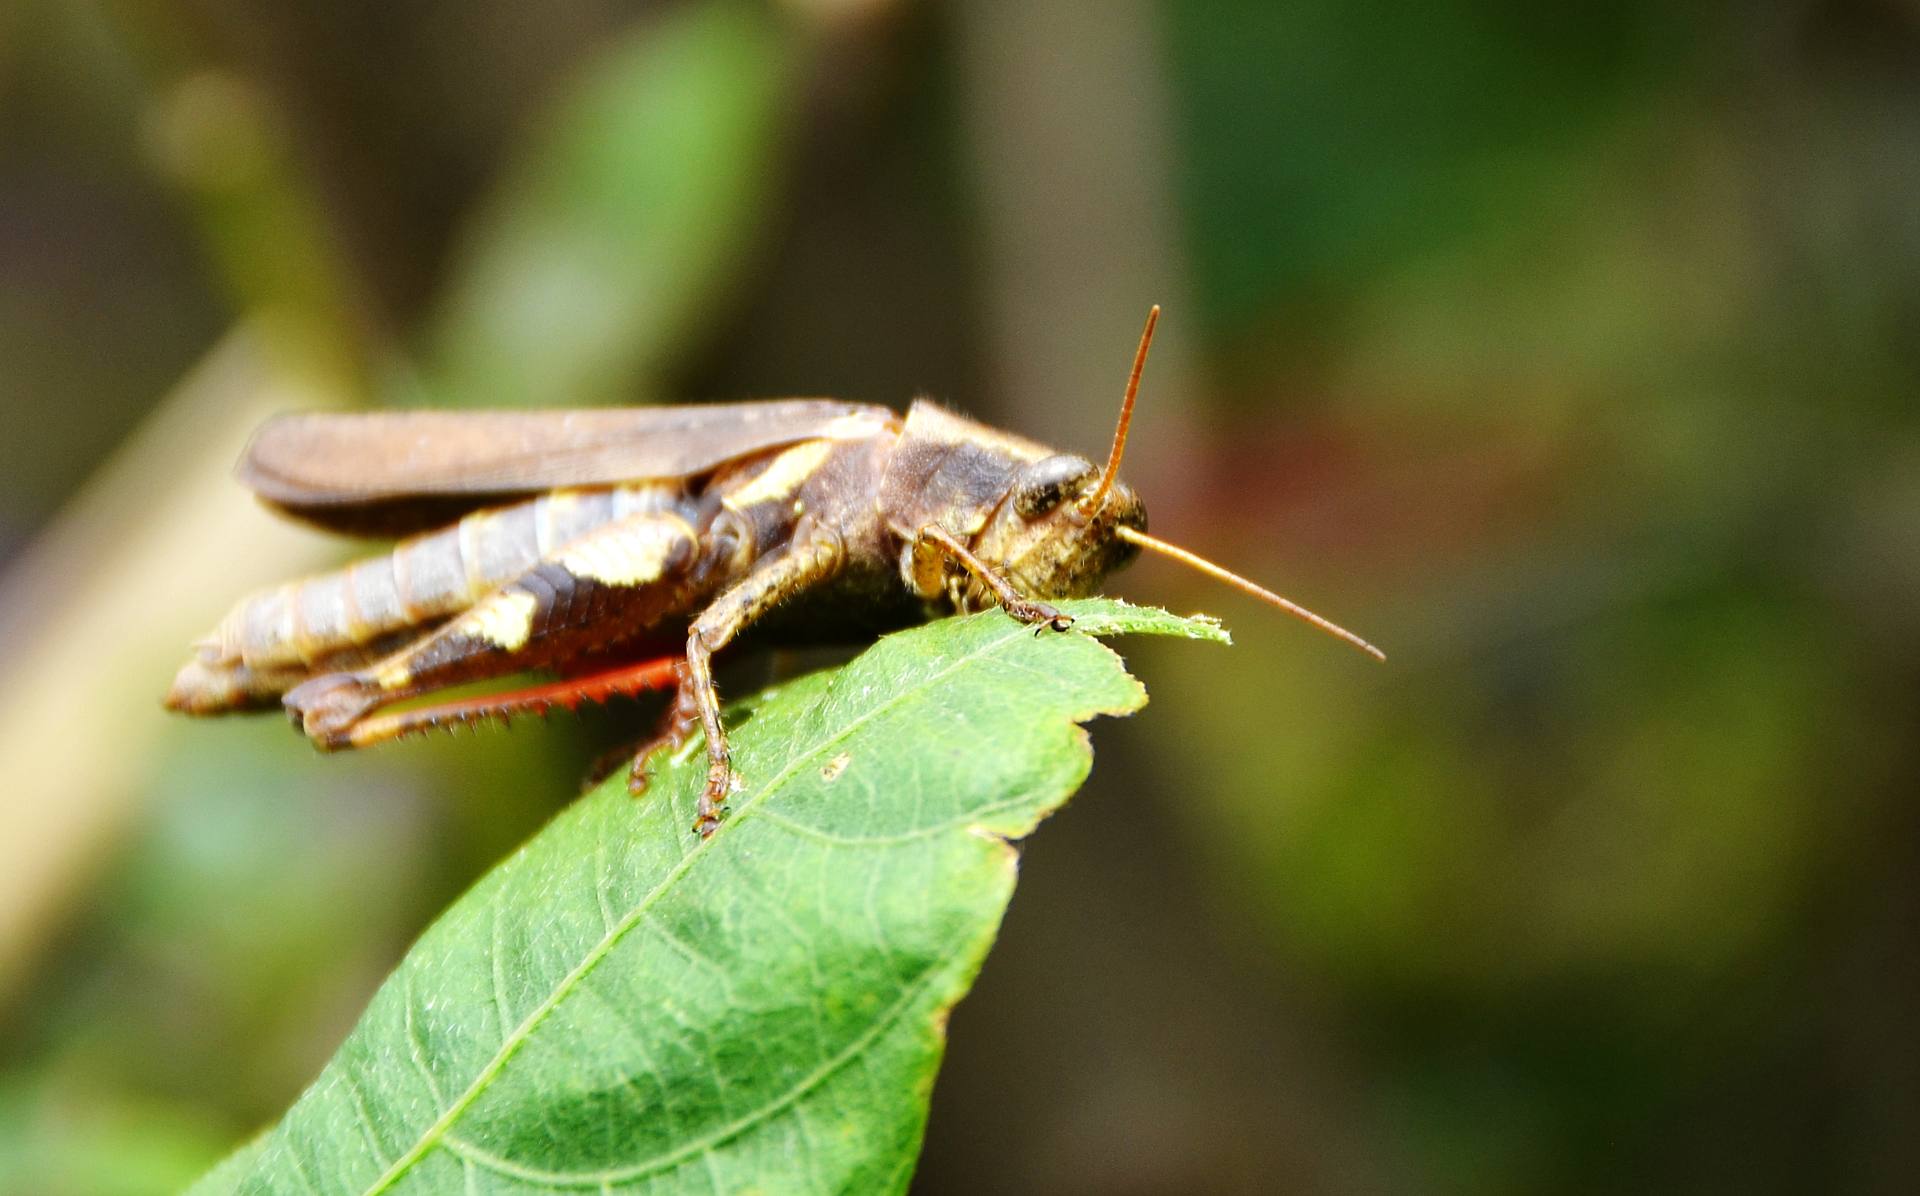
x,y
434,1133
733,1129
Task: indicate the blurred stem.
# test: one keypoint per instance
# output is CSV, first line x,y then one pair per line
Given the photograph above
x,y
97,613
88,624
609,242
1081,232
230,156
217,139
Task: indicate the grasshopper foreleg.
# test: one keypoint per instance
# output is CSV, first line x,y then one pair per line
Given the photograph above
x,y
1027,610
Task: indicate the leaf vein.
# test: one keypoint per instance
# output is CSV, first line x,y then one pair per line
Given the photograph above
x,y
439,1130
601,878
416,1050
931,830
820,1075
497,957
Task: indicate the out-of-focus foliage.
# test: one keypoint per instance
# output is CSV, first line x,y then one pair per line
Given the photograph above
x,y
1564,350
606,246
1594,862
64,1144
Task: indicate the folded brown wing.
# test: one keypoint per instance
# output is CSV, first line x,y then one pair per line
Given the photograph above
x,y
390,473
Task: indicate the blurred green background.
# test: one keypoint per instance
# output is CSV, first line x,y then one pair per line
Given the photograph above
x,y
1567,351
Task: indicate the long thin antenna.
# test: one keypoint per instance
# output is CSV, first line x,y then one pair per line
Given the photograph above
x,y
1098,498
1242,584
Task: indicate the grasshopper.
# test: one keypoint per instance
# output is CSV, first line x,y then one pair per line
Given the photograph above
x,y
624,548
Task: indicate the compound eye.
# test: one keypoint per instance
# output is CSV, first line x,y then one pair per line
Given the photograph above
x,y
1050,481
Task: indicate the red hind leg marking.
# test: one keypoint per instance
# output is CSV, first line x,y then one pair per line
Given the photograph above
x,y
624,681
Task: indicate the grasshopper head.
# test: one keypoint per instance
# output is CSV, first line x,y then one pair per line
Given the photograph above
x,y
1059,529
1066,524
1048,540
1062,524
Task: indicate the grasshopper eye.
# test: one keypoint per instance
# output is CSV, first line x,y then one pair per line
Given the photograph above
x,y
1050,481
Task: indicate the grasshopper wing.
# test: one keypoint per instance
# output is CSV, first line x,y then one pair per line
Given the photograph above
x,y
390,473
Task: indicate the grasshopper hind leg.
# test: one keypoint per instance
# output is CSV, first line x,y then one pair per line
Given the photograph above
x,y
628,680
207,687
608,585
677,725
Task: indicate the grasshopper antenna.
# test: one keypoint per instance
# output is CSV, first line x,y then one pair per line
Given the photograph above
x,y
1196,561
1098,498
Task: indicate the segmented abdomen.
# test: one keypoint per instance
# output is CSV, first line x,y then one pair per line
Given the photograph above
x,y
425,578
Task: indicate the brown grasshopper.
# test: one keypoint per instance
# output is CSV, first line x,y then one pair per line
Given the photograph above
x,y
623,548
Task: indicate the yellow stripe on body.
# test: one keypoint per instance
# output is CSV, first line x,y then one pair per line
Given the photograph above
x,y
394,674
627,554
548,510
466,537
782,477
503,619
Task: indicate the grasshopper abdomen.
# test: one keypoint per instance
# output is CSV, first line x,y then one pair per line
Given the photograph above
x,y
425,578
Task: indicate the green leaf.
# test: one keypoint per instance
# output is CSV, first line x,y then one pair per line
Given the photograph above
x,y
621,1006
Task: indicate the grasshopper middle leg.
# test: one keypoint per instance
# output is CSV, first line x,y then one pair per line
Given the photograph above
x,y
813,556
